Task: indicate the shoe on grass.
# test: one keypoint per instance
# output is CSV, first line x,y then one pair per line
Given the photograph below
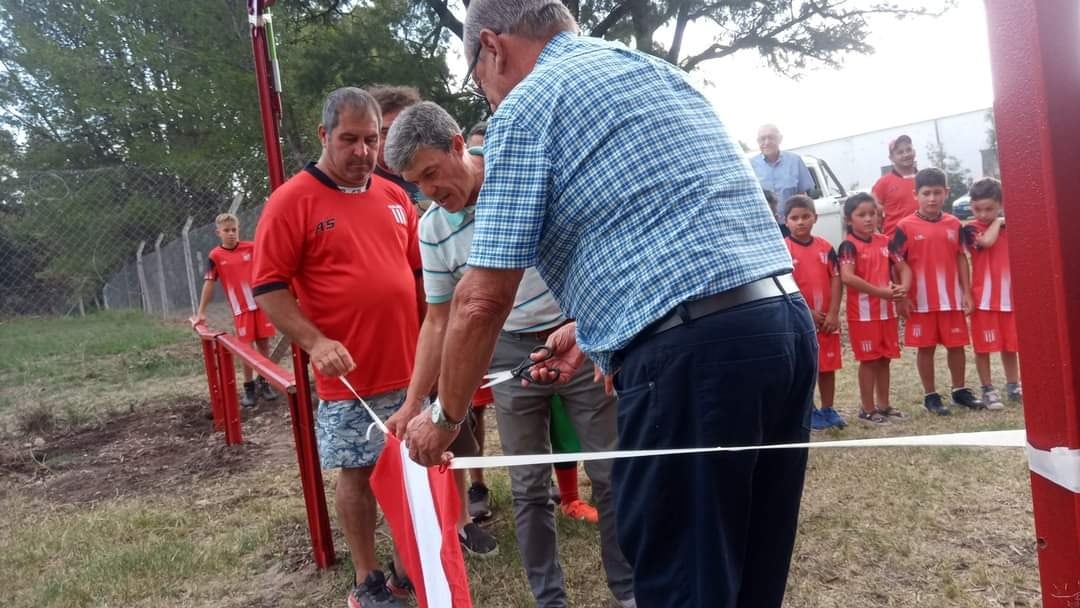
x,y
966,398
397,584
833,417
874,418
818,421
991,398
933,403
479,502
581,511
478,541
890,412
266,392
1014,392
372,593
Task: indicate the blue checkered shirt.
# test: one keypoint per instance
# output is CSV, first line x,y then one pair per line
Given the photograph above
x,y
612,175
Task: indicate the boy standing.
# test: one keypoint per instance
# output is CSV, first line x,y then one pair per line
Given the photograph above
x,y
993,327
231,262
817,274
940,294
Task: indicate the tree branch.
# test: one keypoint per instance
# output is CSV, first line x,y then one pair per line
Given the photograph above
x,y
615,16
446,17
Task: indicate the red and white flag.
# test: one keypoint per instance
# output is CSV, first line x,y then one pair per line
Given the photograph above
x,y
421,505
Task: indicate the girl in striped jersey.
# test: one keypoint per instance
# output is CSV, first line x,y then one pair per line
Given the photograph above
x,y
871,311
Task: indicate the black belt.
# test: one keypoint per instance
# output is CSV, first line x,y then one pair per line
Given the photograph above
x,y
769,287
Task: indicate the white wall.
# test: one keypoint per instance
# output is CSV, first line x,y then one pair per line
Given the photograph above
x,y
857,159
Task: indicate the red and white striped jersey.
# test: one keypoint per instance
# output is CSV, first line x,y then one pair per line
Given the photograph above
x,y
871,260
991,282
930,248
233,268
814,265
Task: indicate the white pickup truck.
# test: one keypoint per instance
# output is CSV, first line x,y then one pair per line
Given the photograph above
x,y
829,197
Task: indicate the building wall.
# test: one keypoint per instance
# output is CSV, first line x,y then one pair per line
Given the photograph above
x,y
858,160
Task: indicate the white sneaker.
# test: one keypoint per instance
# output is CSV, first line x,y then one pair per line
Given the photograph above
x,y
992,400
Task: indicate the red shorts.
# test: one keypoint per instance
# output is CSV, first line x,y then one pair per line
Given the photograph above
x,y
994,331
829,358
253,325
873,340
946,327
482,398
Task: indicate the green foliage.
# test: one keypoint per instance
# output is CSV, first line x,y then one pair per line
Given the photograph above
x,y
959,177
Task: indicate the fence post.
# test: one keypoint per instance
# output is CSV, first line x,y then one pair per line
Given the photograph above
x,y
105,296
213,381
303,425
239,198
188,271
144,292
161,276
231,405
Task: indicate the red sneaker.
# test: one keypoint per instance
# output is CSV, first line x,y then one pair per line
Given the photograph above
x,y
581,511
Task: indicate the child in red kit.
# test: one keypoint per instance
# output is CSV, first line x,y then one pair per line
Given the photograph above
x,y
871,312
818,275
940,295
231,262
993,328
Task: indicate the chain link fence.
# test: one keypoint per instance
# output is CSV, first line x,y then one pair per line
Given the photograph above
x,y
124,237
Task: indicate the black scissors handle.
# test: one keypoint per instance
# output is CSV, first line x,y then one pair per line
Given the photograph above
x,y
524,369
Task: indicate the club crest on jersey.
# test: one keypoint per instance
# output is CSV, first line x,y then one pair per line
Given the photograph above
x,y
885,252
399,213
824,257
246,257
919,236
951,234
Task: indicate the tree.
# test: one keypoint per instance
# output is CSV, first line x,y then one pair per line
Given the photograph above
x,y
790,34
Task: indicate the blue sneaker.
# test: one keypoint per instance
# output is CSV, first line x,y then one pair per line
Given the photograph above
x,y
818,421
833,417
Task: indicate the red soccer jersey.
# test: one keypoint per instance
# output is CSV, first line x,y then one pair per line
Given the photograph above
x,y
352,259
991,282
931,248
814,266
233,268
897,195
871,261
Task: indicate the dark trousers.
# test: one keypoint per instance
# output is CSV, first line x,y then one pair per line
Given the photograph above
x,y
715,530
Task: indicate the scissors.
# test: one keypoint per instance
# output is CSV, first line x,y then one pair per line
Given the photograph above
x,y
522,371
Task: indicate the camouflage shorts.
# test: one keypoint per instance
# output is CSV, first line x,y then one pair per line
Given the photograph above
x,y
341,428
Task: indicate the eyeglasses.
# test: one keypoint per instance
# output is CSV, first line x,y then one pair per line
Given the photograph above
x,y
475,89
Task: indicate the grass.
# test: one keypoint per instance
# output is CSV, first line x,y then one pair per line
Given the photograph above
x,y
77,368
938,527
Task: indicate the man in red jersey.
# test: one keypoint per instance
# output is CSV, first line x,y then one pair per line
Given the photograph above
x,y
345,241
895,191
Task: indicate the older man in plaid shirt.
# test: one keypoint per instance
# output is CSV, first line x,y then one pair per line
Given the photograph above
x,y
664,251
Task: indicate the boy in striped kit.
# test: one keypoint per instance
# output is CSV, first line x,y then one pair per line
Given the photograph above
x,y
231,262
871,311
993,327
818,276
940,296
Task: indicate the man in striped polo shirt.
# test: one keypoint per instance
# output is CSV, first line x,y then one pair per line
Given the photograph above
x,y
426,147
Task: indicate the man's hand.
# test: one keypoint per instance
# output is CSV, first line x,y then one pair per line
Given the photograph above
x,y
427,443
831,324
897,292
398,423
608,380
819,319
566,360
966,303
200,317
331,358
902,308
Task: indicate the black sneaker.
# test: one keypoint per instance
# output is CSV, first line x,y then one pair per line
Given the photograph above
x,y
247,399
1014,392
266,392
933,403
479,502
966,398
478,541
372,593
399,585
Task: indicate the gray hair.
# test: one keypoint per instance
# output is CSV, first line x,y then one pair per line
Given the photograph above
x,y
535,19
348,98
423,125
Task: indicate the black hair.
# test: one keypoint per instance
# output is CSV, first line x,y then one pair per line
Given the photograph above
x,y
852,203
770,197
799,201
479,128
930,177
986,187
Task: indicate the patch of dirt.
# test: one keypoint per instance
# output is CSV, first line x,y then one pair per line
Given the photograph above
x,y
155,449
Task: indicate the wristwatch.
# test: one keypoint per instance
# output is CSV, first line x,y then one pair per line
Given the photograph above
x,y
441,420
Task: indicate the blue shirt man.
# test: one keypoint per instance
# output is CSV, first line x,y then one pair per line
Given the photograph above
x,y
783,173
665,253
